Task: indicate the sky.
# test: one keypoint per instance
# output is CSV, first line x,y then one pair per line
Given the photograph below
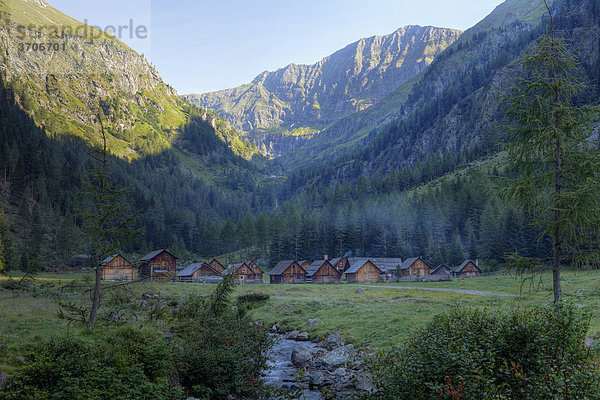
x,y
204,45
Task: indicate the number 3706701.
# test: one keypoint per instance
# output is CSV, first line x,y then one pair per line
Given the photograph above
x,y
42,47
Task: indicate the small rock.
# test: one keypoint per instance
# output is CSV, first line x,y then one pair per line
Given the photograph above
x,y
356,366
334,341
365,384
342,375
3,379
292,335
338,357
301,356
313,322
316,379
360,290
302,337
21,359
275,328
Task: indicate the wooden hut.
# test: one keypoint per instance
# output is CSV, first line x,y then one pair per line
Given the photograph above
x,y
117,268
287,272
340,263
304,264
322,272
258,272
363,272
216,265
389,266
158,266
197,272
442,270
415,267
242,272
468,269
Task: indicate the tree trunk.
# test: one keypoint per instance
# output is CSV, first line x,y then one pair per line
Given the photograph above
x,y
96,298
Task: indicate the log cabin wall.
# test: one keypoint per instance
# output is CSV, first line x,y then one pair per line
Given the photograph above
x,y
118,269
469,270
368,273
417,269
326,274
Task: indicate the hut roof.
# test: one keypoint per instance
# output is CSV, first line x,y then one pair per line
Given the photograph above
x,y
407,263
315,266
153,254
441,266
281,267
464,264
190,269
387,264
110,258
357,263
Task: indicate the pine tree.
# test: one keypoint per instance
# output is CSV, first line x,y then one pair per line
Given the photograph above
x,y
556,170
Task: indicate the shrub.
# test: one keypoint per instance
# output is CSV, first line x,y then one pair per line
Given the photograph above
x,y
252,298
475,354
219,352
126,364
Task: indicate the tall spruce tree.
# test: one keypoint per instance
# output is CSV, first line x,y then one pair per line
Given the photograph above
x,y
555,169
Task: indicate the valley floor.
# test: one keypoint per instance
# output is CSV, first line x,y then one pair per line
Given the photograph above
x,y
370,316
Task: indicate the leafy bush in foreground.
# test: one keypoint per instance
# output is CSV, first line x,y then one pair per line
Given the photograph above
x,y
125,364
476,354
219,351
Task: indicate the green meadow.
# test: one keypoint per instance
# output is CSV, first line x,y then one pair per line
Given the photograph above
x,y
369,317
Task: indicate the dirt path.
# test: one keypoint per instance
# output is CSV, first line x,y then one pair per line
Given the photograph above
x,y
461,291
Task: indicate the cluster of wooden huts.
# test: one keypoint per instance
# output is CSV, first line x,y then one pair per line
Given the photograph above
x,y
366,270
161,265
206,271
155,266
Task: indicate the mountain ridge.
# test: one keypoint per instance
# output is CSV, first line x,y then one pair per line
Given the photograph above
x,y
302,99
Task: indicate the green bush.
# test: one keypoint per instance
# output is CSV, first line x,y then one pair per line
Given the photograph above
x,y
476,354
125,364
219,351
252,297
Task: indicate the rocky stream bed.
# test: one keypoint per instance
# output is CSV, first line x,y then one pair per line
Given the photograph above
x,y
328,369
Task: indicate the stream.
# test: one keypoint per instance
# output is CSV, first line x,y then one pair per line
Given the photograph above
x,y
281,371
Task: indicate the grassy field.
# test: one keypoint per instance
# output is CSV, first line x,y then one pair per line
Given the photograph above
x,y
373,317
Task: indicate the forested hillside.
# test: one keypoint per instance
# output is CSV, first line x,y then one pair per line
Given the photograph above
x,y
185,166
383,198
409,176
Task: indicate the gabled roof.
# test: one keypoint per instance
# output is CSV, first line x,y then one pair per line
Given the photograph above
x,y
235,267
441,266
110,258
335,260
387,264
281,267
153,254
316,265
407,263
190,269
358,264
255,264
464,264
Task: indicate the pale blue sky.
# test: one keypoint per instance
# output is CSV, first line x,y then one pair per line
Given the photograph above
x,y
204,45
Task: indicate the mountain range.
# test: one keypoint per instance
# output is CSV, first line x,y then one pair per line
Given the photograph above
x,y
381,149
301,100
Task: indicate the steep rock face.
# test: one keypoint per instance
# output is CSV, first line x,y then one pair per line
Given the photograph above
x,y
276,104
466,65
65,74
